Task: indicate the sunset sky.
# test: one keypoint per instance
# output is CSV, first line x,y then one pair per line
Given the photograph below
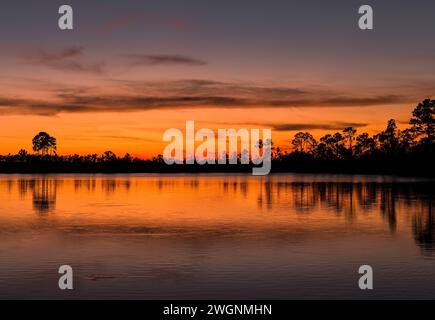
x,y
132,69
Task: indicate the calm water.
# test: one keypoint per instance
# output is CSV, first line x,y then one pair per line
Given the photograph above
x,y
219,236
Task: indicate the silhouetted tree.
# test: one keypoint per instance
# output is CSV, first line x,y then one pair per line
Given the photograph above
x,y
388,139
407,140
43,143
365,145
22,154
326,147
333,146
321,152
303,142
349,135
423,120
278,153
109,156
92,158
159,159
127,158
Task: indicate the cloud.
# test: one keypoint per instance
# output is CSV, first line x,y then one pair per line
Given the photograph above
x,y
312,126
137,103
129,138
211,88
341,101
36,107
96,68
362,101
161,59
335,125
120,103
178,101
248,90
130,96
68,59
97,104
43,57
252,94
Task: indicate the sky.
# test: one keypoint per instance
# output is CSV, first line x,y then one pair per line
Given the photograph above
x,y
132,69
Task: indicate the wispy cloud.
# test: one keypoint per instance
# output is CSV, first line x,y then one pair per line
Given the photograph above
x,y
162,59
35,107
80,104
43,57
325,125
68,59
191,94
129,138
204,87
312,126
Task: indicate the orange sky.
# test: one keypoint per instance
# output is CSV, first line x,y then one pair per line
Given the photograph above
x,y
140,133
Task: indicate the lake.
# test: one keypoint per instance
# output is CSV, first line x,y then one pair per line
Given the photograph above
x,y
287,236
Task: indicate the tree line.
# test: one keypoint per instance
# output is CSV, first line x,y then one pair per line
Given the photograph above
x,y
346,150
391,142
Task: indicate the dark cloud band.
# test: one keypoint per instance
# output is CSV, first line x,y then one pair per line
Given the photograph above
x,y
156,60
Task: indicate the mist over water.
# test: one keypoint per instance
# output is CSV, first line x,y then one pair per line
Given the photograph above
x,y
216,236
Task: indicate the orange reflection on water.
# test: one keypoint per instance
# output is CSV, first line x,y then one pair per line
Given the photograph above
x,y
183,203
215,236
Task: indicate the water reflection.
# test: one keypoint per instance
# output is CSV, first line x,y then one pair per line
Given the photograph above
x,y
348,199
423,226
216,236
44,195
351,199
87,184
111,186
42,191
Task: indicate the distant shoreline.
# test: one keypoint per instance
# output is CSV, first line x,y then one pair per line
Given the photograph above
x,y
410,168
